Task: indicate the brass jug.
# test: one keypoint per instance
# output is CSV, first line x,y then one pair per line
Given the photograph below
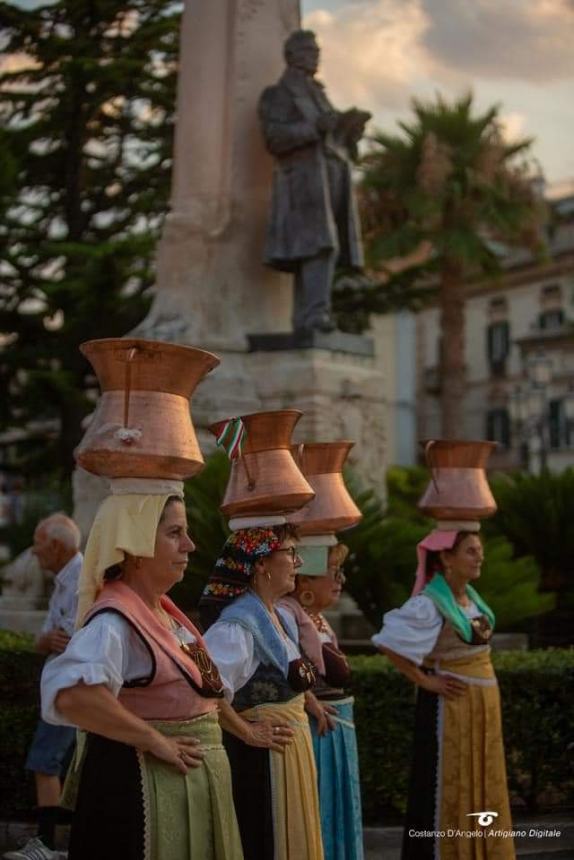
x,y
332,509
458,489
142,426
265,479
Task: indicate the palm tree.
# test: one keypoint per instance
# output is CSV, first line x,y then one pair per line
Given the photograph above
x,y
450,179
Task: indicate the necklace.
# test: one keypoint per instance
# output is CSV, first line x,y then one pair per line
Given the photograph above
x,y
166,619
318,621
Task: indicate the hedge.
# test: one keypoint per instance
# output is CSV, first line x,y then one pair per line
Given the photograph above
x,y
538,724
538,717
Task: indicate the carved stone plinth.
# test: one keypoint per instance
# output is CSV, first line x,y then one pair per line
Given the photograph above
x,y
340,394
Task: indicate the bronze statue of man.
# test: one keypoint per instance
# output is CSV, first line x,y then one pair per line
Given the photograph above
x,y
313,224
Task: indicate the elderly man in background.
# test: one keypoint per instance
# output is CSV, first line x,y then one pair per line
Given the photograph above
x,y
57,548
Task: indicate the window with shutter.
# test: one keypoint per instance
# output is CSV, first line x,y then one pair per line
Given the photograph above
x,y
498,426
560,433
498,346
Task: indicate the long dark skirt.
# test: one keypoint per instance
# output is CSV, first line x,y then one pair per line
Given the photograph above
x,y
109,818
421,807
251,778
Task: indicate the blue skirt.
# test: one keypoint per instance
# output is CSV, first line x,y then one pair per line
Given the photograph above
x,y
339,789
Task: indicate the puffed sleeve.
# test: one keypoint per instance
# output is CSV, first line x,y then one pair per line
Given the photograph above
x,y
411,630
102,652
232,650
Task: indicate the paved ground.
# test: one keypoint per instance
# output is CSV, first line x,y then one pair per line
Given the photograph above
x,y
384,843
538,843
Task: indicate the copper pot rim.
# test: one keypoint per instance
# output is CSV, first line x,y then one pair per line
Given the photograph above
x,y
467,442
214,424
127,343
275,445
337,448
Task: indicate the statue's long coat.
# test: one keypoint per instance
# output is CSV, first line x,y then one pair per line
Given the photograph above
x,y
302,223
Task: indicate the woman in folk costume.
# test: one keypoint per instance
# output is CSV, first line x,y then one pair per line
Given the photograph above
x,y
153,779
319,585
265,676
440,640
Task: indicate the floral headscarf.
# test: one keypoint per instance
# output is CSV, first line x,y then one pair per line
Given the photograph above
x,y
234,569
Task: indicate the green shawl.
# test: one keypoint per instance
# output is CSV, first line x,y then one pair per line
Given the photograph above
x,y
441,595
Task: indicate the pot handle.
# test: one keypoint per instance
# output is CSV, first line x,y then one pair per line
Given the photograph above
x,y
429,461
250,479
128,387
298,453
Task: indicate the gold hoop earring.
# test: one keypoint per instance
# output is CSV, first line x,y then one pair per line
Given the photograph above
x,y
268,575
307,599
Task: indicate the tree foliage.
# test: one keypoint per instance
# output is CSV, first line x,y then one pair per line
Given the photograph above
x,y
382,562
86,106
535,513
449,179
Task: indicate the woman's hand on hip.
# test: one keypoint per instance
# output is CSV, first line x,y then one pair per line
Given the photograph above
x,y
270,734
444,685
181,752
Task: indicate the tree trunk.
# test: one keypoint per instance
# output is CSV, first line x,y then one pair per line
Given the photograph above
x,y
452,357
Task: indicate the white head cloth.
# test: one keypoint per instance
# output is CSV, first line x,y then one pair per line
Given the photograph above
x,y
126,522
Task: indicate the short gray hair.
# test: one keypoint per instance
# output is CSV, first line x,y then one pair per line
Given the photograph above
x,y
63,529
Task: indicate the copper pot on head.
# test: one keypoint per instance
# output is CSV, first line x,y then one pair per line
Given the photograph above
x,y
142,426
458,489
265,479
332,509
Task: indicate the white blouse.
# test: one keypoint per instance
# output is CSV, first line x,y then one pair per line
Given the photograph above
x,y
232,649
106,651
413,629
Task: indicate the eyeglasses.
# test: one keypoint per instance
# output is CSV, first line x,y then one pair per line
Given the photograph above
x,y
292,550
337,574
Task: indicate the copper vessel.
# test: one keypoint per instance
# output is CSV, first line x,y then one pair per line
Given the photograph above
x,y
458,489
265,479
332,509
142,426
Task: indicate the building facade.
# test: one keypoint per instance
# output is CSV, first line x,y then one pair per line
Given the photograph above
x,y
519,358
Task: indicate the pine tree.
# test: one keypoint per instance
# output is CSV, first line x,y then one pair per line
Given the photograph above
x,y
87,96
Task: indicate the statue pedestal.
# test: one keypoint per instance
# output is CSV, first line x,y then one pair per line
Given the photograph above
x,y
337,384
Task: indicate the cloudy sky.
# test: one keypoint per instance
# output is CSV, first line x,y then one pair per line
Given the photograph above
x,y
377,54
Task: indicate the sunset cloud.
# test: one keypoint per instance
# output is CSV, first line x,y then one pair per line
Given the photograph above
x,y
378,54
522,39
371,50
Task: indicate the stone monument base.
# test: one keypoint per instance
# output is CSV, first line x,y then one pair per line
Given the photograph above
x,y
335,381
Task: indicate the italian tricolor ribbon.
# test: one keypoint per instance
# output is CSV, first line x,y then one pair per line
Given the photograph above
x,y
231,437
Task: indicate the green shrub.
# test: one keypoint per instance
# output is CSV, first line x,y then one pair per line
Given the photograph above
x,y
537,714
19,692
382,562
535,513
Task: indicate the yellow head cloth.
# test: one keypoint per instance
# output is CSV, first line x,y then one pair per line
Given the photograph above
x,y
126,522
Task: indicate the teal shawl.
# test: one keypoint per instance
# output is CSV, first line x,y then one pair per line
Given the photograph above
x,y
441,595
